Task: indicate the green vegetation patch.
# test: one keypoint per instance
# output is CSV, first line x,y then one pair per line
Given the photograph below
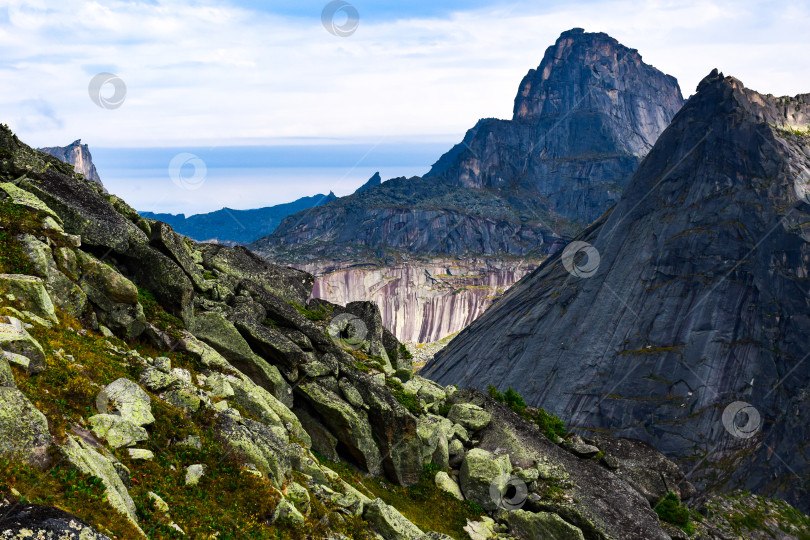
x,y
158,316
409,401
671,510
427,506
320,313
14,220
550,424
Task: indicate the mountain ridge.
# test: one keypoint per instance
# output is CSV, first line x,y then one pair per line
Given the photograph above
x,y
508,188
696,302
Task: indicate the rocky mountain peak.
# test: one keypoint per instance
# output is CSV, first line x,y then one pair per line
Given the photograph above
x,y
78,155
374,181
695,302
594,73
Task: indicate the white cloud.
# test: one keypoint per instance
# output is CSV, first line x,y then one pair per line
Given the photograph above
x,y
220,75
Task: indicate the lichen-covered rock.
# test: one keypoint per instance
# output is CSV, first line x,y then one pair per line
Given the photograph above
x,y
63,291
298,495
532,525
183,398
24,431
470,416
20,348
6,375
479,472
350,426
286,511
445,483
194,474
253,442
30,293
264,405
387,521
119,432
427,391
156,380
128,400
115,296
84,457
34,522
221,334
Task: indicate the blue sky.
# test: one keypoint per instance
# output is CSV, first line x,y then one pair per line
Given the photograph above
x,y
202,74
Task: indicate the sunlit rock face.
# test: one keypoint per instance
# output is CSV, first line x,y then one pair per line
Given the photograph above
x,y
422,302
78,155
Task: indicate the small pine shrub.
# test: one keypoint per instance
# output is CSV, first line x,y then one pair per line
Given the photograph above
x,y
671,510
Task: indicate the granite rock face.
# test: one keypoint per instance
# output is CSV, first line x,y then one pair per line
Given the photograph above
x,y
583,120
692,299
78,155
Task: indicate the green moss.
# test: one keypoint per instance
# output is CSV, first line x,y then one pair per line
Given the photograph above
x,y
321,313
671,510
549,423
64,487
209,275
409,401
404,352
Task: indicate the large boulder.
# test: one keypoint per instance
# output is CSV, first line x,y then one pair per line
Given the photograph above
x,y
115,296
533,525
350,426
18,344
128,400
470,416
387,521
117,431
64,293
169,242
480,471
88,460
33,521
221,334
646,469
24,431
271,344
161,276
262,446
29,293
266,407
241,264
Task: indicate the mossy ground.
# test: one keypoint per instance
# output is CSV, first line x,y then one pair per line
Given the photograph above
x,y
427,506
227,500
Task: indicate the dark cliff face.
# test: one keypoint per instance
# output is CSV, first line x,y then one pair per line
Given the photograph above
x,y
700,299
78,155
583,121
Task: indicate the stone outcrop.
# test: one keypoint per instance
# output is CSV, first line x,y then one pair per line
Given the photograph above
x,y
582,122
78,155
35,521
679,321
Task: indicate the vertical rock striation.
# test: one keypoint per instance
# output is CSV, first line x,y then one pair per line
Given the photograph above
x,y
422,302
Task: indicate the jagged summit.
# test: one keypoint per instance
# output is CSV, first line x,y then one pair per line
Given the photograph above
x,y
78,155
698,300
374,181
583,122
